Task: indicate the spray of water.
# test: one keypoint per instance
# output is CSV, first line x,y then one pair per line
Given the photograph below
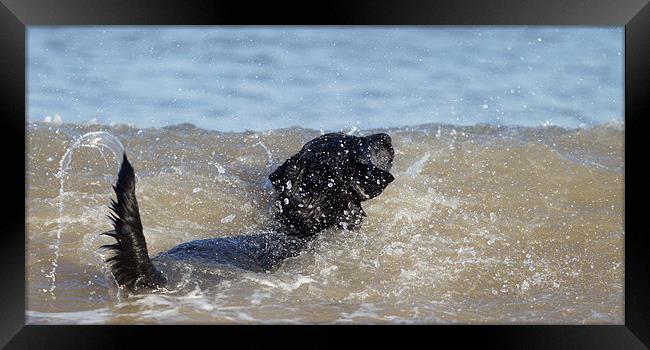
x,y
99,140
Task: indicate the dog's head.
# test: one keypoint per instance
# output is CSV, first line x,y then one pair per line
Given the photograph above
x,y
324,184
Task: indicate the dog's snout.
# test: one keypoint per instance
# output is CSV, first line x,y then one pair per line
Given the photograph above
x,y
381,150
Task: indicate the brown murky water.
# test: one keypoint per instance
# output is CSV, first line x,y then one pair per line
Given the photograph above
x,y
482,225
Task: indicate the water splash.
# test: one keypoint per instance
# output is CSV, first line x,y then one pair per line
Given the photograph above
x,y
266,183
99,140
269,162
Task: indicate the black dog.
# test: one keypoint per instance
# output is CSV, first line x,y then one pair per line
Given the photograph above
x,y
320,187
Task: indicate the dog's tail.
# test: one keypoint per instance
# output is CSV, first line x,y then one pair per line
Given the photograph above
x,y
130,264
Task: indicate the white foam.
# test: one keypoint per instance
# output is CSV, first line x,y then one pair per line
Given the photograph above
x,y
288,286
96,316
57,120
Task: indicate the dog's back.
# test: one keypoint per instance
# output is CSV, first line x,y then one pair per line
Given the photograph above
x,y
258,253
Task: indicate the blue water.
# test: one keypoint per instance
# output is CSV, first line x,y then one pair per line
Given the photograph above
x,y
260,78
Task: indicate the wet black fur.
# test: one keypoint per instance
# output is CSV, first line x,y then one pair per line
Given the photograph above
x,y
322,186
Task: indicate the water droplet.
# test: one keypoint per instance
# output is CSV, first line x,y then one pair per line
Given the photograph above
x,y
228,219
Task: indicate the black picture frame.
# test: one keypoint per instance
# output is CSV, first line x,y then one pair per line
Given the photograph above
x,y
15,15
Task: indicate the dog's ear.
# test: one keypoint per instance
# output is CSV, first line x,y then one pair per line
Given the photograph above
x,y
287,173
369,181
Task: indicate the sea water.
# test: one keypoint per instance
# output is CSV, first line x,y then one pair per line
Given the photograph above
x,y
507,204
